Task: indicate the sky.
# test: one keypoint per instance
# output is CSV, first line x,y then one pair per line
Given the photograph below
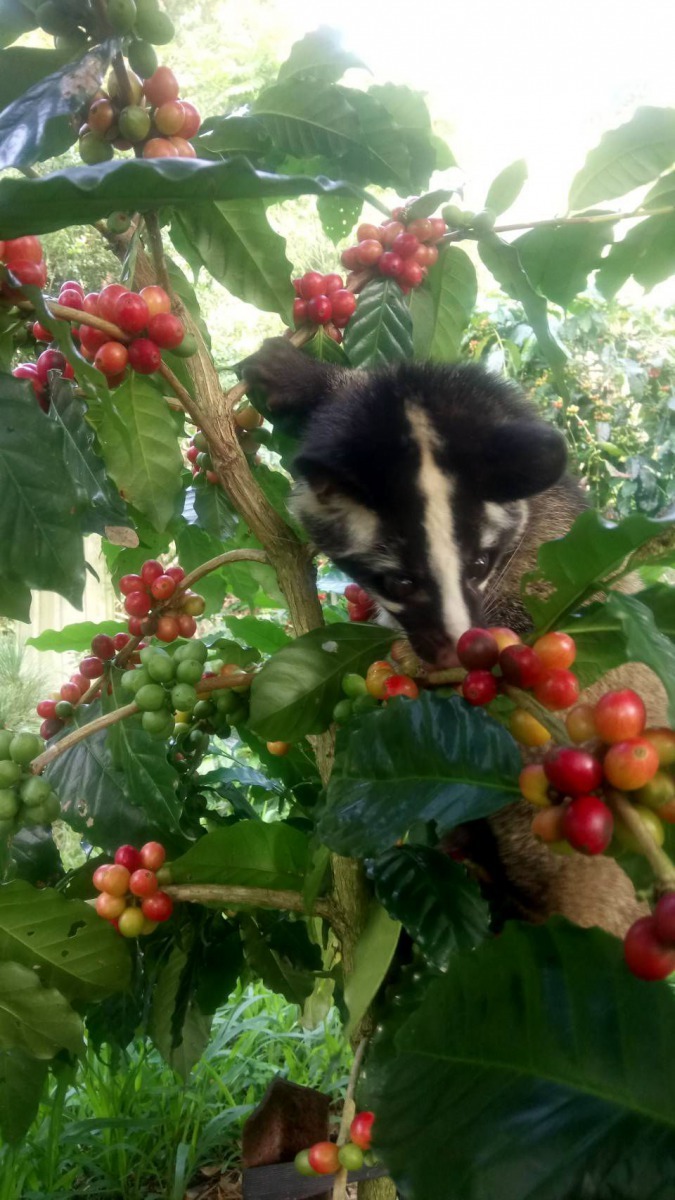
x,y
517,78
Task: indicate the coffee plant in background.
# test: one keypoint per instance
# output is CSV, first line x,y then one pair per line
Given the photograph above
x,y
187,488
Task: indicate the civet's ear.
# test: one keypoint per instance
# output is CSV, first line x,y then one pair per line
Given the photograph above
x,y
519,459
293,381
327,476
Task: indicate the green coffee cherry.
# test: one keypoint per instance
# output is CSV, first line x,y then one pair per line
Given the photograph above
x,y
227,702
9,805
151,697
183,697
35,791
203,709
364,704
6,736
93,150
24,747
52,807
64,710
133,681
239,715
200,440
161,668
354,685
302,1164
142,59
189,671
351,1157
483,222
158,723
121,15
118,222
193,649
187,348
342,711
156,28
198,741
134,123
7,827
10,773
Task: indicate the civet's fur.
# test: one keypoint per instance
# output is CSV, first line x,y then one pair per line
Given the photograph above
x,y
433,487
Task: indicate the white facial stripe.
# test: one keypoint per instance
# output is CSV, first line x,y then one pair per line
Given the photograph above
x,y
500,519
437,493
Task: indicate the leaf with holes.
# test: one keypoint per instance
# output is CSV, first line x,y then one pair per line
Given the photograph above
x,y
626,157
644,642
380,331
65,940
452,289
138,441
22,1080
83,464
594,552
373,956
506,187
558,259
236,244
178,1028
248,854
34,1018
297,689
433,897
40,542
432,759
534,1050
338,216
504,262
95,798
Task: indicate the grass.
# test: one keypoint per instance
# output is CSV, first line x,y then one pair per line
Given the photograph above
x,y
22,683
131,1130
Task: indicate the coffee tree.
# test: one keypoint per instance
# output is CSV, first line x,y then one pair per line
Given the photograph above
x,y
519,1061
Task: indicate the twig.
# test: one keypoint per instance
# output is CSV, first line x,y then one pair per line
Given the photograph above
x,y
255,897
157,251
78,735
243,555
218,683
122,78
663,868
457,235
348,1114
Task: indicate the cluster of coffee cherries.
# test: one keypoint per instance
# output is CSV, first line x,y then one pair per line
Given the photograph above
x,y
146,322
360,606
323,300
164,684
74,25
251,432
542,668
25,799
130,897
397,250
649,945
148,602
327,1158
24,259
150,119
59,709
382,681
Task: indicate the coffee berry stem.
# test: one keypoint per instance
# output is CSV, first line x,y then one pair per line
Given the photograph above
x,y
526,700
348,1114
157,251
219,683
78,735
244,555
659,861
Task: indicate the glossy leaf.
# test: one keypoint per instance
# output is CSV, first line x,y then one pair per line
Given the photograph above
x,y
73,948
248,854
15,598
594,551
22,67
380,154
438,903
599,635
151,781
75,637
37,125
647,252
318,55
315,119
535,1052
644,642
22,1080
232,135
373,956
626,157
380,331
504,262
95,798
209,507
178,1028
15,19
85,467
432,759
138,441
452,289
236,244
40,543
35,857
506,187
33,1018
264,635
273,967
80,195
410,113
558,259
338,216
296,690
427,204
195,546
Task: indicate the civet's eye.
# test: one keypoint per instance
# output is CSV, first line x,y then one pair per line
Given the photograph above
x,y
481,566
399,587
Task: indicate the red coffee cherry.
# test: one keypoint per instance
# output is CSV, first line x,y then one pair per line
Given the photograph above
x,y
521,666
629,765
70,298
138,604
324,1158
157,300
130,583
411,274
126,856
477,650
107,301
187,626
161,87
390,264
27,248
572,771
369,251
163,587
26,272
150,571
557,689
191,121
556,650
50,728
103,646
361,1130
144,356
46,709
167,629
645,955
70,692
120,640
166,330
333,283
299,312
319,310
401,685
344,305
91,668
111,358
664,919
311,285
158,907
50,360
131,312
405,245
390,231
620,715
143,883
588,825
479,687
152,856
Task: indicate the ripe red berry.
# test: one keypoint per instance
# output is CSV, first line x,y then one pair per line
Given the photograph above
x,y
664,919
479,687
405,245
80,682
311,285
120,640
91,667
49,360
187,626
69,692
111,358
323,1158
107,301
344,305
90,304
645,954
116,880
144,356
369,251
176,573
588,825
150,571
572,771
46,709
426,256
557,689
411,274
152,856
26,272
556,650
400,685
166,330
158,907
167,629
50,728
131,312
29,371
103,646
135,626
390,264
477,650
169,117
40,333
299,311
191,120
130,583
521,666
91,340
319,310
138,604
127,856
162,587
157,300
629,765
161,87
353,593
620,715
143,883
71,299
333,283
27,247
439,228
361,1130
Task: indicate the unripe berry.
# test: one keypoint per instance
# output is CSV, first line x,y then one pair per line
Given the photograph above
x,y
157,300
170,117
556,650
580,723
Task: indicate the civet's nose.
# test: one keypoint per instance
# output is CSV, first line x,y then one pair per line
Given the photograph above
x,y
446,656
